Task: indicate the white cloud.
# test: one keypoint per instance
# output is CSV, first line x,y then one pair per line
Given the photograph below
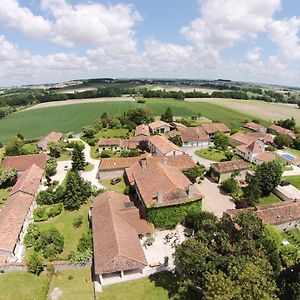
x,y
15,16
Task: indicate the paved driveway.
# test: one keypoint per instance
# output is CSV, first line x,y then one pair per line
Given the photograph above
x,y
196,158
214,201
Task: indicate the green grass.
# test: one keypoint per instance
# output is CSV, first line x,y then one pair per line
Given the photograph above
x,y
160,286
64,224
114,133
80,287
20,285
293,236
294,180
64,156
213,154
287,168
89,167
71,118
30,148
94,152
118,188
272,198
3,196
293,151
2,150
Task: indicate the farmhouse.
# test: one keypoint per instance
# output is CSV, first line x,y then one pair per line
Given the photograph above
x,y
275,129
241,138
192,136
249,152
24,162
17,213
159,126
113,144
142,130
158,184
212,128
117,228
283,215
255,127
51,137
223,170
161,146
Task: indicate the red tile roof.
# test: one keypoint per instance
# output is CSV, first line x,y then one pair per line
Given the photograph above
x,y
250,137
116,225
142,130
215,127
265,156
116,163
23,162
191,134
53,137
276,213
13,215
254,126
280,130
163,144
230,166
157,124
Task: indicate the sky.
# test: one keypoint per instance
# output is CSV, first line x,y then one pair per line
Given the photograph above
x,y
44,41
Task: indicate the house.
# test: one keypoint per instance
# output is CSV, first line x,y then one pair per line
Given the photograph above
x,y
223,170
264,157
159,126
24,162
142,130
241,138
117,228
212,128
17,214
113,144
115,166
176,125
249,152
275,129
159,184
192,136
51,137
161,146
283,215
255,127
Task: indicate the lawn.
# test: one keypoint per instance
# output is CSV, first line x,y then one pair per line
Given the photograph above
x,y
114,133
64,224
3,196
294,180
20,285
2,150
160,286
213,154
119,187
293,151
79,287
71,118
272,198
30,148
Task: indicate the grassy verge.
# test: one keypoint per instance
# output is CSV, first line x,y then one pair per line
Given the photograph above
x,y
294,180
213,154
118,188
73,283
272,198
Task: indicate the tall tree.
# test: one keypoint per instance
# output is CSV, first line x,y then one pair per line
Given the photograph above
x,y
221,140
167,116
78,159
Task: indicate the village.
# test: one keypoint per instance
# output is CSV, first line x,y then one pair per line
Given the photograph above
x,y
142,188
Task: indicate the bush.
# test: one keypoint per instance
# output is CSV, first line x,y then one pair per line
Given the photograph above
x,y
34,264
40,214
55,210
77,222
142,101
70,277
230,185
50,168
105,154
32,236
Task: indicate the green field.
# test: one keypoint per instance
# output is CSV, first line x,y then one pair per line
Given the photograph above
x,y
71,118
20,285
78,287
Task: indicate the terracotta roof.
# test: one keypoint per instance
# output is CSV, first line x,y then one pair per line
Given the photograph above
x,y
23,162
215,127
157,124
16,208
253,126
193,134
111,142
250,137
230,166
131,143
281,130
255,147
116,225
276,213
181,162
265,156
142,130
163,144
155,177
117,163
53,136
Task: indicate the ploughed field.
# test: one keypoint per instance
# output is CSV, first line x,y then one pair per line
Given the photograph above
x,y
71,118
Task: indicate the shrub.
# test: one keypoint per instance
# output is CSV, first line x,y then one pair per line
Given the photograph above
x,y
70,277
34,264
142,101
50,168
105,154
230,185
77,222
40,214
55,210
32,236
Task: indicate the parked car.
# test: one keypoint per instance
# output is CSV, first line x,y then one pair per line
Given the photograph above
x,y
115,180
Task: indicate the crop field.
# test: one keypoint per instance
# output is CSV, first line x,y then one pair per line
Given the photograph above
x,y
260,109
71,118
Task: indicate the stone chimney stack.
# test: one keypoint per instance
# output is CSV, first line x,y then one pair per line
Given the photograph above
x,y
160,196
191,191
144,164
165,161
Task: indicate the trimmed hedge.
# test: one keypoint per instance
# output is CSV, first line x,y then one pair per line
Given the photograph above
x,y
168,217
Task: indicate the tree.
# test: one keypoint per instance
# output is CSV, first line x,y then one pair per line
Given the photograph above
x,y
14,147
139,116
167,116
55,149
194,173
228,155
7,177
50,167
282,140
176,140
221,140
230,185
78,159
34,264
297,143
89,131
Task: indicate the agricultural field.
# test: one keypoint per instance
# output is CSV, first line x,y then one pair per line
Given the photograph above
x,y
260,109
71,118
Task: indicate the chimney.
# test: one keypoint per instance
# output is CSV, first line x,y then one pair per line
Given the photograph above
x,y
165,161
190,191
143,163
160,196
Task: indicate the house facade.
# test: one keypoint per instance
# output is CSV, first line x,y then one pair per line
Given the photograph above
x,y
158,127
255,127
212,128
160,146
51,137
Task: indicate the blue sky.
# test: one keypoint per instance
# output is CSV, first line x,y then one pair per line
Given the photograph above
x,y
57,40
